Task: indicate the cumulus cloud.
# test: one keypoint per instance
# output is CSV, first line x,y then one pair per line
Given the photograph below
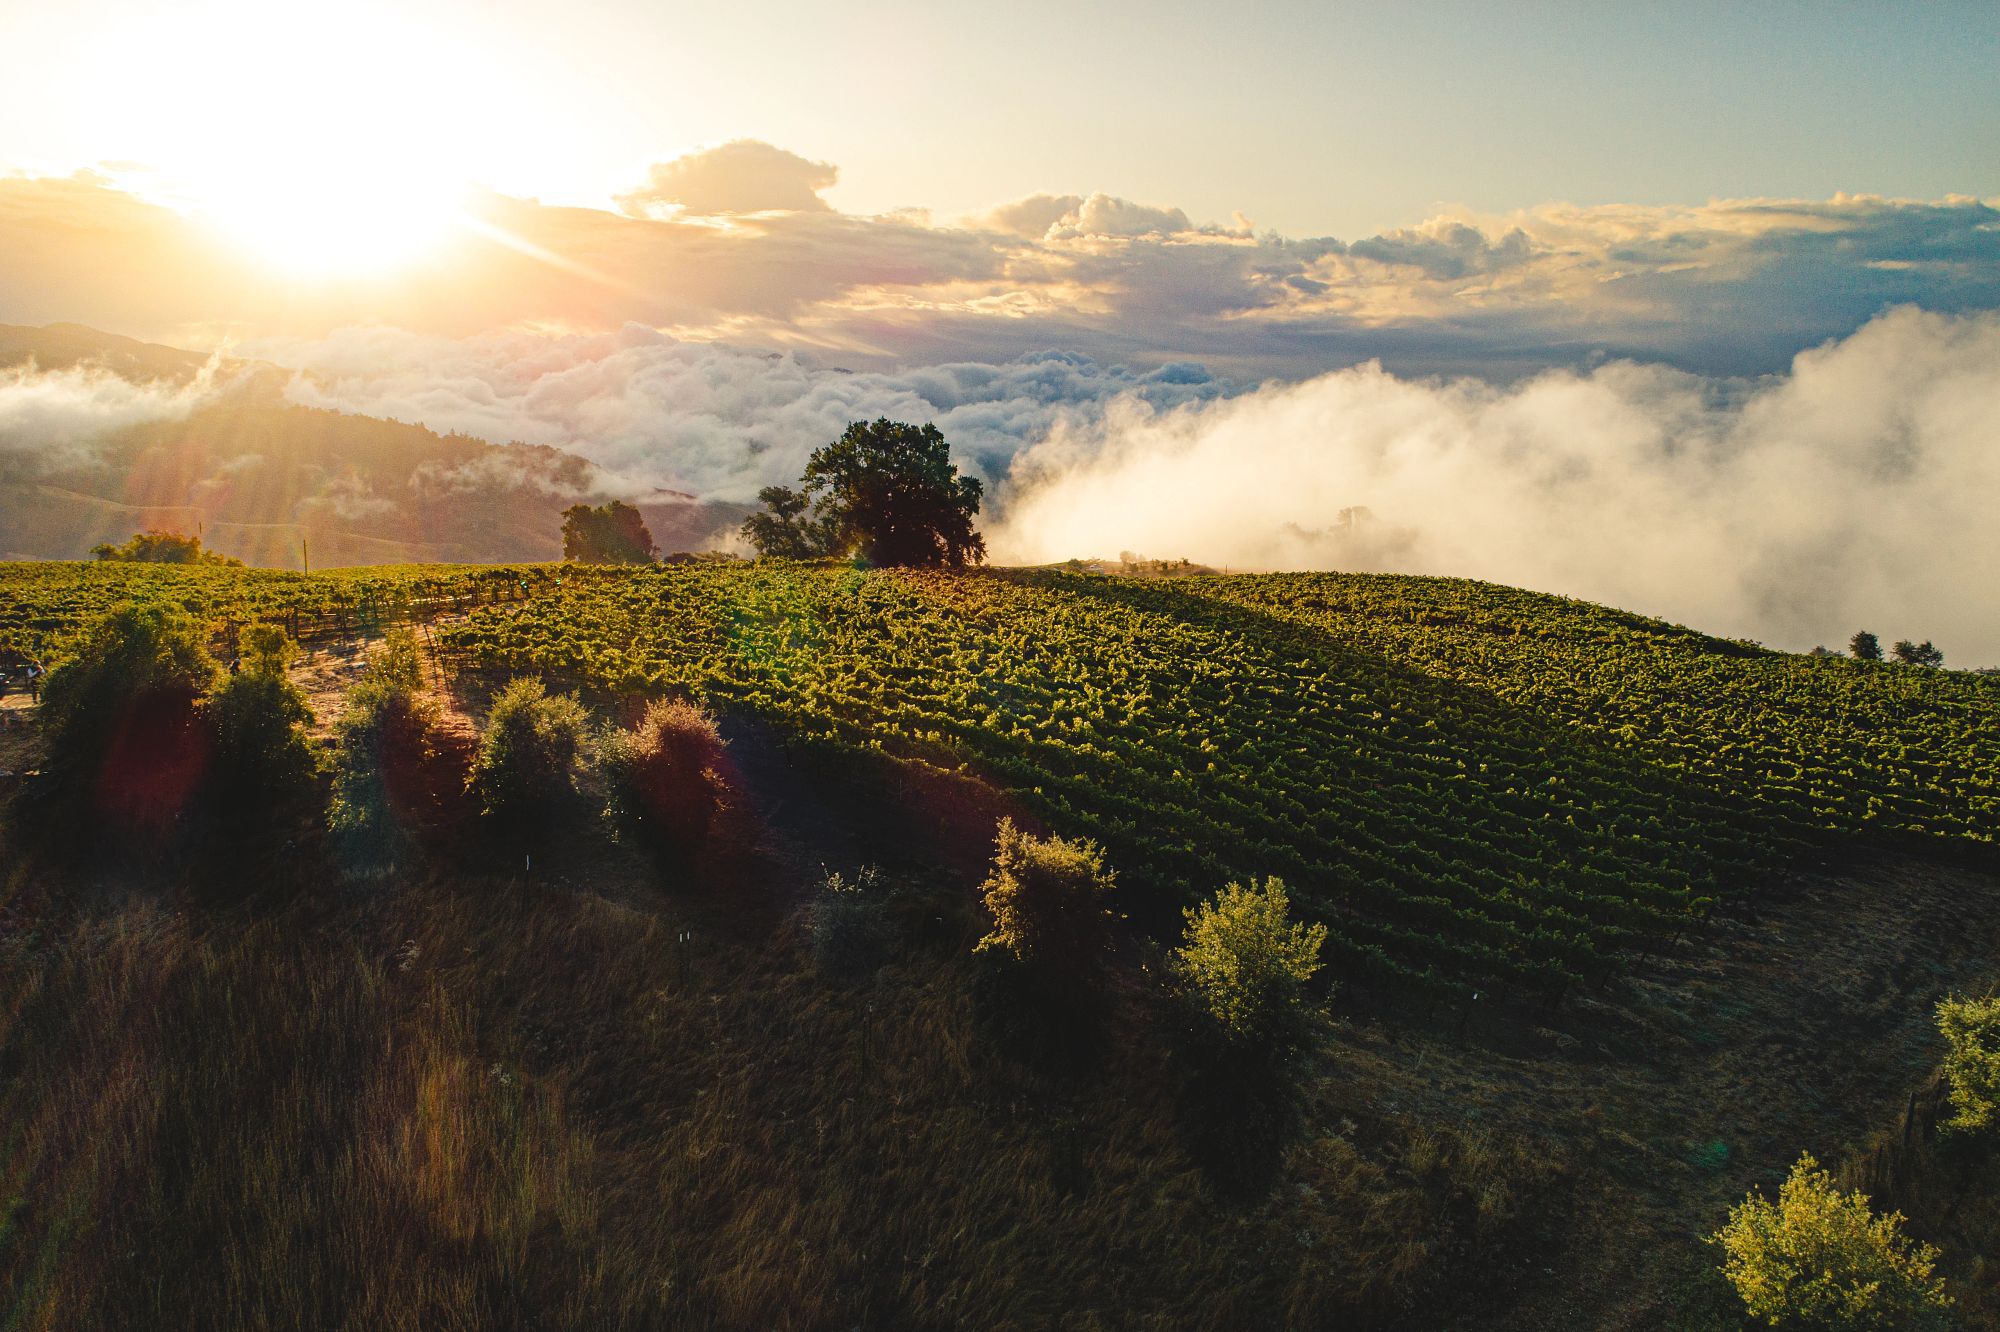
x,y
734,244
1854,491
744,176
51,419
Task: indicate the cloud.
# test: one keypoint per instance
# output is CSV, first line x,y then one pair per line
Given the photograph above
x,y
51,419
744,176
1854,491
735,245
711,420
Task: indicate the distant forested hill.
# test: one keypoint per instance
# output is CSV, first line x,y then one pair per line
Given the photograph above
x,y
256,475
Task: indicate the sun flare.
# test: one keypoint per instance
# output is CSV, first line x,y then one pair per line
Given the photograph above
x,y
352,227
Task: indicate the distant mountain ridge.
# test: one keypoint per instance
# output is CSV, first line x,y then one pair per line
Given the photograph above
x,y
261,478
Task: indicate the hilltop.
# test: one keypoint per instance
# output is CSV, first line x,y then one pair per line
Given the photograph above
x,y
1622,918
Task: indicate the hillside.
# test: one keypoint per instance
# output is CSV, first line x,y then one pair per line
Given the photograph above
x,y
255,475
1622,918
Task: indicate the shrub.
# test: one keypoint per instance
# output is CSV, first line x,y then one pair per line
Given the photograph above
x,y
667,782
121,719
1046,897
527,766
846,926
1244,963
1820,1259
399,664
262,751
1971,1029
391,775
266,649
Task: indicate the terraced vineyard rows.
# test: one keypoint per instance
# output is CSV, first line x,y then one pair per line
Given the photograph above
x,y
1472,786
1461,813
41,602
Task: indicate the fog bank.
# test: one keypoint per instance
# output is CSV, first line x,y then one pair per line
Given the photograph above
x,y
1859,490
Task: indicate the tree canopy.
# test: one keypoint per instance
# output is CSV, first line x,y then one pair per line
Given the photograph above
x,y
613,533
159,548
885,491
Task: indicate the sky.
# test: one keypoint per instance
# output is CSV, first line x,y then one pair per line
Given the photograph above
x,y
1335,254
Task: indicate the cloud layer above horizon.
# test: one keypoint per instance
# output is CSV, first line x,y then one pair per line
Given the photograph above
x,y
735,243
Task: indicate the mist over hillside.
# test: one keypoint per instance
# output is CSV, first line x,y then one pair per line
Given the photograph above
x,y
1793,509
102,436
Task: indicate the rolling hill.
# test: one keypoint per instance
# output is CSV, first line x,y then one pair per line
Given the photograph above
x,y
1622,918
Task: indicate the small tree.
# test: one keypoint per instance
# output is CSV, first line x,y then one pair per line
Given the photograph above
x,y
1046,897
1917,654
527,766
1822,1260
667,782
786,531
1971,1029
266,649
120,713
160,548
1864,646
885,491
259,718
1244,964
391,773
613,533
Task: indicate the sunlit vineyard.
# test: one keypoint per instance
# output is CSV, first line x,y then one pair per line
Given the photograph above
x,y
1472,786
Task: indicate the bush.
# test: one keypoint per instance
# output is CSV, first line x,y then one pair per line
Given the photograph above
x,y
266,649
1046,897
846,926
1971,1029
1244,964
527,767
1820,1259
120,714
391,774
262,752
667,782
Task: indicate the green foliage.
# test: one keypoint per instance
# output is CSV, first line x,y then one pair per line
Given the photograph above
x,y
528,762
1046,897
391,776
1864,646
885,491
266,649
613,533
1244,964
397,664
847,927
1917,654
786,531
119,713
1971,1030
1500,789
262,751
1818,1259
667,781
161,548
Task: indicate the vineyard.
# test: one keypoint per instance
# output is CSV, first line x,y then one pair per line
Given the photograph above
x,y
1473,787
1477,791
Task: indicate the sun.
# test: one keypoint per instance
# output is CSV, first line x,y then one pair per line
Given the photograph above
x,y
324,142
366,220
